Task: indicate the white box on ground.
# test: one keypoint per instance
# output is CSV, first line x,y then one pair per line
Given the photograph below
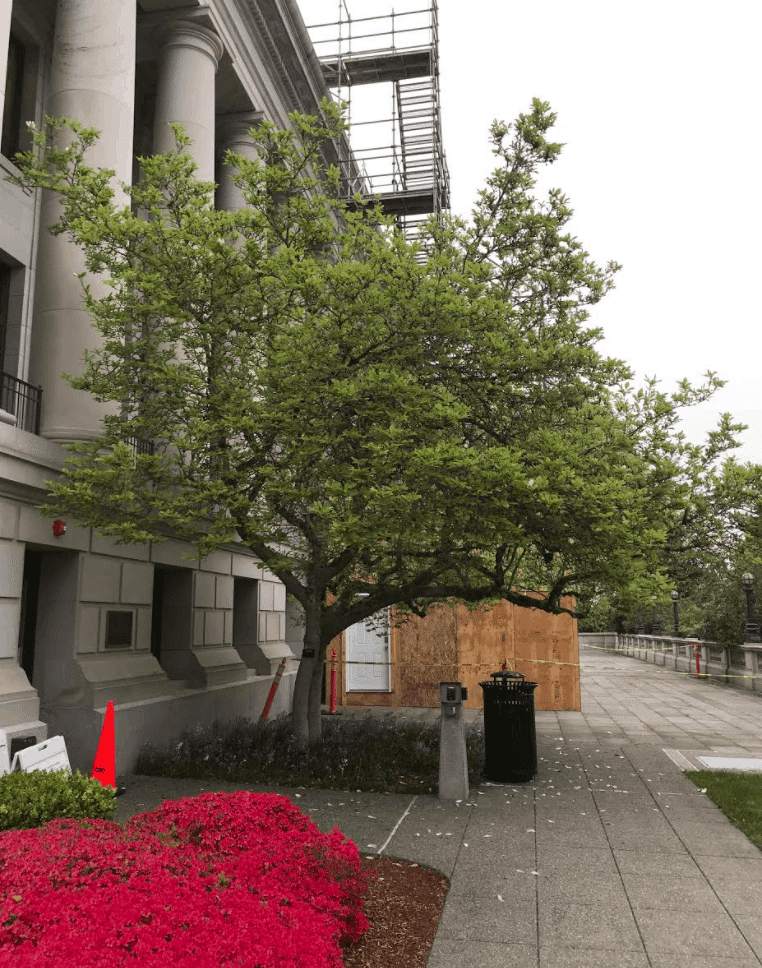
x,y
5,763
748,765
48,756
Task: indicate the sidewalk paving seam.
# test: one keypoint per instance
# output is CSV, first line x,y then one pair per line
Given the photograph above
x,y
536,868
616,863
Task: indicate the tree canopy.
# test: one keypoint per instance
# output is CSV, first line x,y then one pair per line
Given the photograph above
x,y
364,422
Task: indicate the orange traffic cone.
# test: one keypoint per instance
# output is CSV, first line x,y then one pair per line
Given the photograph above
x,y
104,766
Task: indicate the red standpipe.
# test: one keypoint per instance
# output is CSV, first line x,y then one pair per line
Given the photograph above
x,y
698,670
273,689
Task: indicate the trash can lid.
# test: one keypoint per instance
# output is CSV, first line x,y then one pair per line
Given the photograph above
x,y
507,675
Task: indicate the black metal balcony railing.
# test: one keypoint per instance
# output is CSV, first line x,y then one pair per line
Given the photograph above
x,y
22,400
141,446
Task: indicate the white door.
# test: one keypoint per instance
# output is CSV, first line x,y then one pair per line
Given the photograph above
x,y
367,652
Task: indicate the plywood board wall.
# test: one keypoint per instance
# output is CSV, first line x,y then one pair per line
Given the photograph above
x,y
454,643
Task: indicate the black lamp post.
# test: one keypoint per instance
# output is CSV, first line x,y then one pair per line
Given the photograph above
x,y
675,616
656,626
751,631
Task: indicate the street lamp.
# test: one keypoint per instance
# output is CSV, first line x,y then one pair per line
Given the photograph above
x,y
656,626
675,617
751,631
640,629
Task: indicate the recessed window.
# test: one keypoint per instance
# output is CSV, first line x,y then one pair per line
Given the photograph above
x,y
119,630
14,99
5,292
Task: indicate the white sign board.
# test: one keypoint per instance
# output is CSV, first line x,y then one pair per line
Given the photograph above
x,y
49,755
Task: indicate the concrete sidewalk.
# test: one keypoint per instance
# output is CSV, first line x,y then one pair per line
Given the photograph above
x,y
609,858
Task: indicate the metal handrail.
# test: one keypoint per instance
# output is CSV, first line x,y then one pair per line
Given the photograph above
x,y
22,400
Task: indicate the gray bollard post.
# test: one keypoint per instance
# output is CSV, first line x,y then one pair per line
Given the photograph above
x,y
453,763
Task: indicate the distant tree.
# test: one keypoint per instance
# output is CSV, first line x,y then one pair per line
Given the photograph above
x,y
375,430
713,534
720,508
715,604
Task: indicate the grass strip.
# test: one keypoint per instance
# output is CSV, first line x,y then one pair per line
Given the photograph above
x,y
738,795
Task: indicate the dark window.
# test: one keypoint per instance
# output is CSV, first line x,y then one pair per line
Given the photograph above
x,y
157,605
118,630
30,588
5,291
14,89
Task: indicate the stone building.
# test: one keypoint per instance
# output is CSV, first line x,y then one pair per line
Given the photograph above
x,y
84,621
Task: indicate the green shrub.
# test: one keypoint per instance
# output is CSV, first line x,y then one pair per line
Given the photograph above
x,y
359,752
31,799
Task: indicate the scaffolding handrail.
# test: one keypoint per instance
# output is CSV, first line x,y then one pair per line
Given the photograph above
x,y
379,33
379,16
408,172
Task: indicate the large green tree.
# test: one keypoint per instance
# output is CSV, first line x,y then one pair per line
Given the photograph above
x,y
376,430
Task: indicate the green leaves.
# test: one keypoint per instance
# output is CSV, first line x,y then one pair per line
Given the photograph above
x,y
296,380
33,799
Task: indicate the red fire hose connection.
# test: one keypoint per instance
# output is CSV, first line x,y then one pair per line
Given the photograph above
x,y
273,689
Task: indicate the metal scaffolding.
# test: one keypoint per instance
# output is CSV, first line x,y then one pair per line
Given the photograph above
x,y
397,155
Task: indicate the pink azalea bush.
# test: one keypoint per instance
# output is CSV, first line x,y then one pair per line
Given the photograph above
x,y
220,879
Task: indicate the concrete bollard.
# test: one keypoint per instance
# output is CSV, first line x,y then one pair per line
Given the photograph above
x,y
453,762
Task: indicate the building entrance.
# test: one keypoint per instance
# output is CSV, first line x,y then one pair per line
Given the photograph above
x,y
30,590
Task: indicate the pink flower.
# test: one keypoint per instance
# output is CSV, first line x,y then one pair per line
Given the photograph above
x,y
221,879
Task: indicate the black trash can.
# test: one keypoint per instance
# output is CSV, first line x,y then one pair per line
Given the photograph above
x,y
510,739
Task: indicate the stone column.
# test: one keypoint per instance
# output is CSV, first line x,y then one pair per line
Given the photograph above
x,y
234,136
92,79
5,34
188,61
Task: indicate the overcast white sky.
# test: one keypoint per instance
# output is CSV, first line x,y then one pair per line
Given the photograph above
x,y
658,108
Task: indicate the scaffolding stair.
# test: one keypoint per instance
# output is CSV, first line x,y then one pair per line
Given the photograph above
x,y
407,175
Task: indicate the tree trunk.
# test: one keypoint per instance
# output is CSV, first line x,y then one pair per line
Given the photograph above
x,y
299,722
302,713
314,715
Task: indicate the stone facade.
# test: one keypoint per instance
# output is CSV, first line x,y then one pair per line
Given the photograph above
x,y
83,621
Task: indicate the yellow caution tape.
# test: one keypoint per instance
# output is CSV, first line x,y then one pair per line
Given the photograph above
x,y
444,665
579,665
